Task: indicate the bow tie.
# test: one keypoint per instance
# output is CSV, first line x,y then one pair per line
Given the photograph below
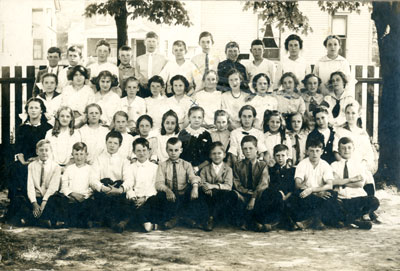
x,y
245,133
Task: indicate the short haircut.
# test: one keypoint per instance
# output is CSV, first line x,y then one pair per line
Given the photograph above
x,y
79,146
217,144
341,74
231,44
121,114
247,107
114,79
125,48
345,140
311,75
248,138
293,37
53,49
258,76
206,34
234,71
320,109
140,141
177,78
93,105
127,80
169,113
353,104
105,43
331,37
115,134
155,79
49,75
142,118
257,42
289,74
220,113
280,147
179,43
315,141
42,142
151,35
74,48
78,68
173,141
211,71
194,109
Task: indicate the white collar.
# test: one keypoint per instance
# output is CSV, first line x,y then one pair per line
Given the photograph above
x,y
195,133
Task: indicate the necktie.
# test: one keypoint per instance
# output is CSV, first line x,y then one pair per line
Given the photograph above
x,y
345,171
174,178
336,109
207,65
42,175
250,176
297,148
150,66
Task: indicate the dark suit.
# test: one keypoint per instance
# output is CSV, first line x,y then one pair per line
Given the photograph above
x,y
38,79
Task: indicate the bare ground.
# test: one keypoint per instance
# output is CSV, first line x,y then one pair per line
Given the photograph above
x,y
32,248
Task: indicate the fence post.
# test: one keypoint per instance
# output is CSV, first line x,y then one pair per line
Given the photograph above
x,y
18,96
30,73
5,107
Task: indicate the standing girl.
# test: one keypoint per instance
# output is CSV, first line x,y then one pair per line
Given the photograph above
x,y
49,96
169,128
93,133
156,104
289,99
298,136
312,97
120,124
63,136
180,102
145,130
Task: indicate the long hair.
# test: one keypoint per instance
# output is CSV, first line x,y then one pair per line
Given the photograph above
x,y
43,118
169,113
57,126
268,114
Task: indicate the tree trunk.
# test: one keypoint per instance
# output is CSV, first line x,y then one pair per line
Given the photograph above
x,y
387,14
122,27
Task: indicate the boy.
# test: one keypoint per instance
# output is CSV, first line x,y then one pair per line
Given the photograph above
x,y
144,175
149,64
75,188
110,181
250,179
281,187
53,56
50,97
182,67
232,53
206,60
314,199
216,183
259,64
177,187
349,179
74,56
125,68
43,181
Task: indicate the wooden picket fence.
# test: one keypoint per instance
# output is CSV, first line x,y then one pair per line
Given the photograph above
x,y
17,86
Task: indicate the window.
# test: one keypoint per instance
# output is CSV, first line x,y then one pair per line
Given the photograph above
x,y
271,41
37,49
339,28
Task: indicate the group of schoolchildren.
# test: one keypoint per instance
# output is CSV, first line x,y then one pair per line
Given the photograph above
x,y
194,142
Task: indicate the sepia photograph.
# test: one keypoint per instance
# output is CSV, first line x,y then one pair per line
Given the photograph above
x,y
199,135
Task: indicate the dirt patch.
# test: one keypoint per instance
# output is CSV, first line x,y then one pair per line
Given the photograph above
x,y
223,249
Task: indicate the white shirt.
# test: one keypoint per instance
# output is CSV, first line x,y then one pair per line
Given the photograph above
x,y
95,139
61,145
144,179
271,140
299,67
125,150
236,138
135,109
187,69
153,142
200,62
313,177
261,104
156,107
210,102
181,107
290,103
114,167
216,167
52,106
77,100
110,103
162,146
266,66
232,105
76,179
62,79
96,68
326,133
345,99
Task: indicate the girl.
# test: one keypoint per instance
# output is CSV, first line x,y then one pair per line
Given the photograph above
x,y
265,98
180,102
247,116
298,136
312,97
209,99
29,133
108,100
221,134
77,95
120,124
49,96
156,104
93,133
63,136
133,105
144,128
331,62
196,141
274,133
233,100
338,98
169,128
289,99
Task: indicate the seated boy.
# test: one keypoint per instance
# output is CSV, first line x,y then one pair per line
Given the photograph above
x,y
74,56
177,187
349,179
216,183
250,179
43,181
314,200
110,181
75,188
125,68
144,175
281,186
